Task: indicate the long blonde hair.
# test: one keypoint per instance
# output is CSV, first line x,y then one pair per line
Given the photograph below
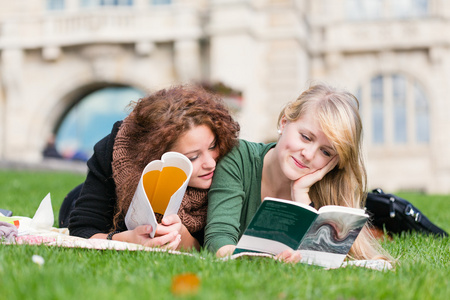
x,y
337,112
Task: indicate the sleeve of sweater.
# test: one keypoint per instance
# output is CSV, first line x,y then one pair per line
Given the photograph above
x,y
225,202
94,209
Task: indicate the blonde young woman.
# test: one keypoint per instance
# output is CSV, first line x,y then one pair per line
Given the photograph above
x,y
317,161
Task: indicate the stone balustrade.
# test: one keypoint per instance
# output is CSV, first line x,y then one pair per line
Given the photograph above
x,y
117,26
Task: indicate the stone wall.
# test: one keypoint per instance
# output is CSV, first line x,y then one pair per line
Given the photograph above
x,y
268,49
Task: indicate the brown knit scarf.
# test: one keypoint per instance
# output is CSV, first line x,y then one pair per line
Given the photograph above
x,y
193,208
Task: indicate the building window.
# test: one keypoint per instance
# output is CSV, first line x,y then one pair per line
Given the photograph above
x,y
160,2
97,3
409,8
364,9
377,105
421,115
379,9
397,111
55,5
399,108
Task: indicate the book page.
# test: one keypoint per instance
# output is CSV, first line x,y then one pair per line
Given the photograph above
x,y
323,259
332,235
276,226
343,209
160,190
140,211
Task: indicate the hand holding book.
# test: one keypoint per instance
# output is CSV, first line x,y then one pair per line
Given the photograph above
x,y
323,237
160,191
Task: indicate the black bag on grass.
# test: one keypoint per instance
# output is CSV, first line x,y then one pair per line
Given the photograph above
x,y
398,215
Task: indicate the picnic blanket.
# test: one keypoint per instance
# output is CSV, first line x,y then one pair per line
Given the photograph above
x,y
39,230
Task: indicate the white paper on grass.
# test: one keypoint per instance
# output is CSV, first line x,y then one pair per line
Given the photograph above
x,y
140,211
43,218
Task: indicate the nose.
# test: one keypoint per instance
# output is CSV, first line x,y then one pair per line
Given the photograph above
x,y
209,162
308,152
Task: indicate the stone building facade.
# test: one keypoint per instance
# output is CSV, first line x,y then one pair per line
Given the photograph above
x,y
393,54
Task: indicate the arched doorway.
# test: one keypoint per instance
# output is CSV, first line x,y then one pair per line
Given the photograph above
x,y
91,119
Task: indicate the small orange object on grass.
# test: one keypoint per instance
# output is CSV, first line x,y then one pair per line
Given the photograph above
x,y
185,284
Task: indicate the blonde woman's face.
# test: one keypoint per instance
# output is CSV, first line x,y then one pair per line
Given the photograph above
x,y
199,145
303,148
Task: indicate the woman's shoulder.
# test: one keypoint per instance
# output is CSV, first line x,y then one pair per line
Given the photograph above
x,y
254,147
247,151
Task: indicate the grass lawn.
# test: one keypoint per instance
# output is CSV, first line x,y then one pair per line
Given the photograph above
x,y
423,271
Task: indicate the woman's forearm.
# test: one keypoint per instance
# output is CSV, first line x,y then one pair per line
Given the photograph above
x,y
187,240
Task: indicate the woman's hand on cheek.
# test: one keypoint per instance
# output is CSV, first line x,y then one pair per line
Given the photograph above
x,y
300,187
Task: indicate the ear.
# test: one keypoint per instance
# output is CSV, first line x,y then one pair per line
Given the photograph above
x,y
283,122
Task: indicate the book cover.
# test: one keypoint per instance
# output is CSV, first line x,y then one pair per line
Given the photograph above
x,y
160,190
324,237
331,236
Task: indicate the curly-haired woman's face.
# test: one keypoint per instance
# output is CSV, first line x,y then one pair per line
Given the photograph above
x,y
199,145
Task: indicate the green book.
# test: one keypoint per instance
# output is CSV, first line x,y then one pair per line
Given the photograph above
x,y
324,237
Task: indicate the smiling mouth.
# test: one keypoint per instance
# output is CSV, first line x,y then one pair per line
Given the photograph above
x,y
207,176
299,163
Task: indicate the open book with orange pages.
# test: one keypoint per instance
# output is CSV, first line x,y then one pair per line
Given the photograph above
x,y
324,237
160,190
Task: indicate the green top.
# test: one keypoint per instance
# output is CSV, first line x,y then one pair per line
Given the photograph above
x,y
235,194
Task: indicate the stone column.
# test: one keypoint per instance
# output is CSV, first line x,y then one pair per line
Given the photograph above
x,y
187,60
259,48
2,120
15,107
439,108
237,60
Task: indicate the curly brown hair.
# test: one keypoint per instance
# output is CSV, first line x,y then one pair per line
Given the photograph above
x,y
159,119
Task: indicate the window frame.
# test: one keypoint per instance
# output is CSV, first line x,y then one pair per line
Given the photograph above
x,y
416,112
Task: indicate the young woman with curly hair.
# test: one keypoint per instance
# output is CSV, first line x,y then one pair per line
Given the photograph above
x,y
185,119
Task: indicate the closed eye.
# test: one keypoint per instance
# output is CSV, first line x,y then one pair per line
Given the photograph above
x,y
326,153
213,145
193,158
305,137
